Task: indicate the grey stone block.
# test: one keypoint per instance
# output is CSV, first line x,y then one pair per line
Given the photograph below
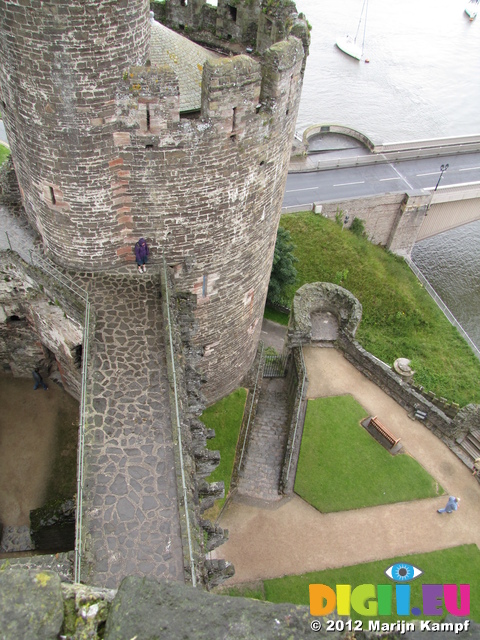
x,y
31,605
144,608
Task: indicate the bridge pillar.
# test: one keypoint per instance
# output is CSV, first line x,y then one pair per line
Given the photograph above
x,y
408,221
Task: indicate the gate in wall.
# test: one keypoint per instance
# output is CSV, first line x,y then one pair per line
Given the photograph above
x,y
275,366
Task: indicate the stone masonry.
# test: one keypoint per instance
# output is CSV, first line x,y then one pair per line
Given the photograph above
x,y
131,518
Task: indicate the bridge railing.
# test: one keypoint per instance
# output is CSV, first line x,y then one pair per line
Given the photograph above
x,y
449,315
392,156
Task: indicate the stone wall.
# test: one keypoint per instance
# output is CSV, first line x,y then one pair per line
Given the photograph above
x,y
193,460
9,190
256,24
61,65
297,408
40,324
216,225
391,219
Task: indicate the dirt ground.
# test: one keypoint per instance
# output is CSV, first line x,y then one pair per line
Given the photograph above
x,y
294,538
38,441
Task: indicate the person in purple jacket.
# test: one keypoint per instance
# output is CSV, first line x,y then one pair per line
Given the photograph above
x,y
141,255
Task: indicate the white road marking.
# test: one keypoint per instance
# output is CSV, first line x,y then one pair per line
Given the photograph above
x,y
432,173
307,189
469,169
400,175
385,179
346,184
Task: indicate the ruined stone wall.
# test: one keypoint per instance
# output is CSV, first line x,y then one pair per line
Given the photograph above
x,y
9,191
61,64
39,324
256,24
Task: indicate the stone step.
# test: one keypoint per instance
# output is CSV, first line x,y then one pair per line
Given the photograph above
x,y
470,447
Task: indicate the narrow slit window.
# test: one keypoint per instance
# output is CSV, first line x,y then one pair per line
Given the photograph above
x,y
52,196
148,117
233,12
204,286
289,94
234,119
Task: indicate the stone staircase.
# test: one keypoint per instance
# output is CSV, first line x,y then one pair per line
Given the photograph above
x,y
260,476
471,444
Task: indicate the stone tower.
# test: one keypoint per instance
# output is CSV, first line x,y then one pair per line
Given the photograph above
x,y
104,153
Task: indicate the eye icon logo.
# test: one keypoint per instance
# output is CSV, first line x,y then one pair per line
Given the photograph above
x,y
403,572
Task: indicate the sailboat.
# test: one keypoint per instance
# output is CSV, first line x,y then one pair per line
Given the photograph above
x,y
472,9
349,45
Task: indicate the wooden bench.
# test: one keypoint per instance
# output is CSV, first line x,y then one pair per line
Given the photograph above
x,y
383,431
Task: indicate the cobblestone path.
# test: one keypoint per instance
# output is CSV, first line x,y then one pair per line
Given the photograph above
x,y
131,520
261,472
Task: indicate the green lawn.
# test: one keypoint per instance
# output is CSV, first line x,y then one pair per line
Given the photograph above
x,y
457,565
335,476
399,317
225,417
4,153
276,316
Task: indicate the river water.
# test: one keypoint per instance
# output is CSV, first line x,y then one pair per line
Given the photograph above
x,y
422,81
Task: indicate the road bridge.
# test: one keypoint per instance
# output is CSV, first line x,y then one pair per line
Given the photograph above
x,y
397,189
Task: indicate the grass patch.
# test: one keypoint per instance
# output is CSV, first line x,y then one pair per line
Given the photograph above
x,y
457,565
225,417
334,477
276,316
4,153
399,317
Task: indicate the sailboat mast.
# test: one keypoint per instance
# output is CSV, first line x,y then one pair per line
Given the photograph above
x,y
365,26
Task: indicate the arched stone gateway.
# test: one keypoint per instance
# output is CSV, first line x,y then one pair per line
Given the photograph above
x,y
320,311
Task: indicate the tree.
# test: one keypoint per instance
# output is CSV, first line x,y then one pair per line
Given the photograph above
x,y
283,270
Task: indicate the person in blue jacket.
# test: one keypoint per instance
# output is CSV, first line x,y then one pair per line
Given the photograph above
x,y
141,255
452,505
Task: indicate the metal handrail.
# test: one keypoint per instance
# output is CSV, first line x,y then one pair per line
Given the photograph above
x,y
81,447
65,280
440,303
298,415
179,432
251,408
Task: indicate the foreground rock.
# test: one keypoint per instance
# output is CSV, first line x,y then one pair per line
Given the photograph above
x,y
35,605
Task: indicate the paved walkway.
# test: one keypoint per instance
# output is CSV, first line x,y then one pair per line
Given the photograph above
x,y
295,538
131,519
261,473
